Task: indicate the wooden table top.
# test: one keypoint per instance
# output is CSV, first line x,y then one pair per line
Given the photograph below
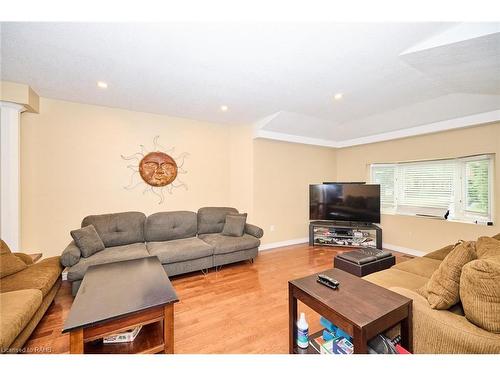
x,y
112,290
356,300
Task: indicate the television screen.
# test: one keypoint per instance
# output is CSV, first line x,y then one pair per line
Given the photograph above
x,y
345,202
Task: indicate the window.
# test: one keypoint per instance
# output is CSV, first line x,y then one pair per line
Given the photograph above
x,y
430,188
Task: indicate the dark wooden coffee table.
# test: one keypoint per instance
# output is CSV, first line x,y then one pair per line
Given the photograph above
x,y
118,296
360,308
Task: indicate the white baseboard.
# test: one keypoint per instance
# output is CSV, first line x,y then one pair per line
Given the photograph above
x,y
296,241
402,249
274,245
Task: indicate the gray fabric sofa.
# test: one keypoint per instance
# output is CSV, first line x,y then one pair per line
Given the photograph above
x,y
183,241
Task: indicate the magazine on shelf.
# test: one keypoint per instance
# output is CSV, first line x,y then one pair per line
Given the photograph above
x,y
127,336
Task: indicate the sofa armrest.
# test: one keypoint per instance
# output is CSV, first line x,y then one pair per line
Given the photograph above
x,y
25,258
71,255
254,230
441,331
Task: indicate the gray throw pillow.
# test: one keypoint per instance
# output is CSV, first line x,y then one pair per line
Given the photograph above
x,y
235,225
87,240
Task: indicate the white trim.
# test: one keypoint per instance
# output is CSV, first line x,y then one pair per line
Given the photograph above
x,y
456,123
274,245
10,205
293,138
401,249
266,120
435,127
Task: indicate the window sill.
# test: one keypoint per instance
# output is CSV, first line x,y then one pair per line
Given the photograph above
x,y
471,221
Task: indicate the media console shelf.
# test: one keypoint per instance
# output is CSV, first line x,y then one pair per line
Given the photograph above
x,y
346,234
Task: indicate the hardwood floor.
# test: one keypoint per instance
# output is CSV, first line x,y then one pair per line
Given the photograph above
x,y
243,308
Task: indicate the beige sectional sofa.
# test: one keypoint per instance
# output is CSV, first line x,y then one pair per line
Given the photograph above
x,y
435,331
25,296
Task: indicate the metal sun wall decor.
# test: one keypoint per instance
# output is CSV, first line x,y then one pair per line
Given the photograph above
x,y
157,170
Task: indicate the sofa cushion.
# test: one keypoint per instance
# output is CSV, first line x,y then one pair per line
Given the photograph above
x,y
180,250
4,248
480,293
212,219
419,266
396,278
225,244
442,290
440,254
118,229
25,258
87,240
41,275
108,255
16,310
10,264
234,225
166,226
487,247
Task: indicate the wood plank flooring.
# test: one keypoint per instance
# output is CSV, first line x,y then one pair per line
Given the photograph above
x,y
243,308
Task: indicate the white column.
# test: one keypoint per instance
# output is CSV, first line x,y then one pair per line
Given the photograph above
x,y
10,204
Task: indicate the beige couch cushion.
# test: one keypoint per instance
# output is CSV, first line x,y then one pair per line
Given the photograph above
x,y
487,247
442,332
41,275
10,264
440,254
396,278
25,258
442,290
480,293
16,310
4,248
419,266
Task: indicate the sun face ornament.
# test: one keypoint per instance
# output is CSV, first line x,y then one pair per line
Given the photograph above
x,y
157,169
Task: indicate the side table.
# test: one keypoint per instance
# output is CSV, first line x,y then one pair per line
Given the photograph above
x,y
358,307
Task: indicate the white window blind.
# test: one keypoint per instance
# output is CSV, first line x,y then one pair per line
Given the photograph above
x,y
463,186
427,184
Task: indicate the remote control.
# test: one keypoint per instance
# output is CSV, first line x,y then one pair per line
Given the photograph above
x,y
328,281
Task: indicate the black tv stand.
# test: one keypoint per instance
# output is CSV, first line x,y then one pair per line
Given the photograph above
x,y
345,234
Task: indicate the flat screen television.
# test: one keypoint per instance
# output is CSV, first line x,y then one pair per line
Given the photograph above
x,y
345,202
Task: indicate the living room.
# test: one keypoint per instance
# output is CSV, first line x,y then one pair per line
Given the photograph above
x,y
186,186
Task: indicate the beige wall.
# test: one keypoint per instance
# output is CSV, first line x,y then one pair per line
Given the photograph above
x,y
282,174
422,233
71,167
241,187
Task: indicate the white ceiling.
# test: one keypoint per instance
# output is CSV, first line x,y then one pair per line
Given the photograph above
x,y
393,77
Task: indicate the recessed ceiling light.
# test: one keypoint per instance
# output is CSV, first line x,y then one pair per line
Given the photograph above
x,y
102,85
224,108
338,96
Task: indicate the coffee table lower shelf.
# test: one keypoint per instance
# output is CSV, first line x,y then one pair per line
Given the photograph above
x,y
148,341
309,349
